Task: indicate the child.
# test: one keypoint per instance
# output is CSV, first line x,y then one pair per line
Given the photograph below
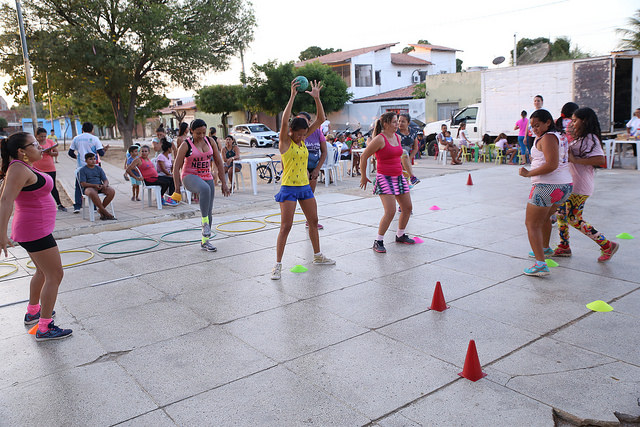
x,y
93,182
503,144
585,152
135,180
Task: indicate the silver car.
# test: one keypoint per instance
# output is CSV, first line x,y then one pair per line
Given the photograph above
x,y
255,135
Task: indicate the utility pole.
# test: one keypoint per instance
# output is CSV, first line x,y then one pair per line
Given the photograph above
x,y
50,106
515,50
27,69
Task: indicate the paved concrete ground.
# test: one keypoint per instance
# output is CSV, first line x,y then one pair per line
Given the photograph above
x,y
177,336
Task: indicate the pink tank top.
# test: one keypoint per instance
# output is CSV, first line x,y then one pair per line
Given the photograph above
x,y
198,163
388,158
35,211
148,170
562,175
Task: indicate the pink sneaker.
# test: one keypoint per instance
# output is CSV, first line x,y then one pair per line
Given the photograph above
x,y
608,253
562,251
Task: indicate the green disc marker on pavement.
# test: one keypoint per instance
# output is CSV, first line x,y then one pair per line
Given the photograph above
x,y
551,263
625,236
299,269
600,306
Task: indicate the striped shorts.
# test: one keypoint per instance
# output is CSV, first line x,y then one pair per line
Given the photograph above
x,y
547,195
394,185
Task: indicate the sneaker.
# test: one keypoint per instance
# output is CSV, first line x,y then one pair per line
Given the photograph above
x,y
169,202
405,239
32,319
322,260
414,180
320,226
276,273
54,333
62,208
563,251
206,230
207,246
76,210
537,270
547,252
608,253
378,246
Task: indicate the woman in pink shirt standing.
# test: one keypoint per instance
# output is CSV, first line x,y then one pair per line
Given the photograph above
x,y
521,127
390,184
33,222
46,164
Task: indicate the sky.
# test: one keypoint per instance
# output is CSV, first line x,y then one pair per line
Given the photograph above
x,y
482,30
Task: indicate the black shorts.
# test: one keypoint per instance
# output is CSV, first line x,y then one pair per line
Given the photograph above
x,y
42,244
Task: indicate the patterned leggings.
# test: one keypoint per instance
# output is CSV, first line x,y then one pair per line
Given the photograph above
x,y
570,213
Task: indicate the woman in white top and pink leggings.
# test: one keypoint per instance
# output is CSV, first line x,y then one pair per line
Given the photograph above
x,y
551,185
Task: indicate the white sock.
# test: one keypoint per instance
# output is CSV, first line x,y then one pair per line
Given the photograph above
x,y
400,232
380,237
318,254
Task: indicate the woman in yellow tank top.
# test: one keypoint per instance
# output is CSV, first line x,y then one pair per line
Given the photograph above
x,y
295,178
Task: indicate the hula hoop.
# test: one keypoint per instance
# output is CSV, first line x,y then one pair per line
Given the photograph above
x,y
162,238
8,264
278,222
83,251
146,239
262,225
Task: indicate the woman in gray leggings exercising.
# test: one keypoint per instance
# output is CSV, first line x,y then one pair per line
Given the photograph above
x,y
193,168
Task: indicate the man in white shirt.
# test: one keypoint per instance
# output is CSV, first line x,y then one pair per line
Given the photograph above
x,y
84,143
633,129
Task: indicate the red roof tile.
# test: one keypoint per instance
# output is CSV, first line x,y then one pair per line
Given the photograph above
x,y
402,93
336,57
404,59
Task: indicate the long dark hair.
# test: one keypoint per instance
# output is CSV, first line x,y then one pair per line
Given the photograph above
x,y
385,118
183,128
567,111
9,150
544,116
591,126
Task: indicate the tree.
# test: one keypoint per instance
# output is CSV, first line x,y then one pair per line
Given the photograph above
x,y
631,36
3,124
315,51
419,91
125,49
411,48
270,86
150,109
220,99
559,50
459,65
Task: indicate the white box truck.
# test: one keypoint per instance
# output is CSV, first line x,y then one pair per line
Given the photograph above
x,y
609,84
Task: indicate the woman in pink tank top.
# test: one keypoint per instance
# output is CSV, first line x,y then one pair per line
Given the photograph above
x,y
389,183
33,222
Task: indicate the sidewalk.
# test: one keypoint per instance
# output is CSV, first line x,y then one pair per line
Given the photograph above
x,y
177,336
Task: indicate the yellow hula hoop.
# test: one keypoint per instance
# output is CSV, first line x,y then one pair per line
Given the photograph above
x,y
278,222
8,264
262,225
83,251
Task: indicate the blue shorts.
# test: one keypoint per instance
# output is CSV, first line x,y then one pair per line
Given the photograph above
x,y
547,195
294,193
135,181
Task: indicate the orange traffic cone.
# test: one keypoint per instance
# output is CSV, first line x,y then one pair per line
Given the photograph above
x,y
469,180
472,369
33,330
438,303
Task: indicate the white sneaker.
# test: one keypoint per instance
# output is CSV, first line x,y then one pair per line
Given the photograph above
x,y
276,273
207,246
322,260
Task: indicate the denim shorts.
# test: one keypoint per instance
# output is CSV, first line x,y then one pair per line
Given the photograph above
x,y
294,193
547,195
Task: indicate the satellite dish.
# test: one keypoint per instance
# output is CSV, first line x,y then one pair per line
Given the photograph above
x,y
499,60
534,54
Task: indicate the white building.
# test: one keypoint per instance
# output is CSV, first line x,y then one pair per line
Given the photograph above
x,y
373,70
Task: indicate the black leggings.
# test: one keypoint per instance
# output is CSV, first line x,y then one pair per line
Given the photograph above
x,y
54,190
40,244
165,183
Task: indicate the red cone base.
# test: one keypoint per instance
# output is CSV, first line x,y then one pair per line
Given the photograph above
x,y
472,369
469,180
438,303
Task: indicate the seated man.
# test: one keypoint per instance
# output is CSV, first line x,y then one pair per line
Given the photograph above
x,y
93,181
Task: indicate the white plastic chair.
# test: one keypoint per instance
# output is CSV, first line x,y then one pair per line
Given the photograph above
x,y
89,203
330,167
442,154
150,188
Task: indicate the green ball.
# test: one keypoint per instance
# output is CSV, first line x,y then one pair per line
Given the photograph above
x,y
304,83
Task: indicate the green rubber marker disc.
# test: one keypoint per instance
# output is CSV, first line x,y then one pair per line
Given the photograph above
x,y
551,263
299,269
625,236
599,306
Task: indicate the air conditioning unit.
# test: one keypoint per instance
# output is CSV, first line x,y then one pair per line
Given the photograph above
x,y
415,78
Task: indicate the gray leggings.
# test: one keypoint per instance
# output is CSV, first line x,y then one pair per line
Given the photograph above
x,y
206,190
